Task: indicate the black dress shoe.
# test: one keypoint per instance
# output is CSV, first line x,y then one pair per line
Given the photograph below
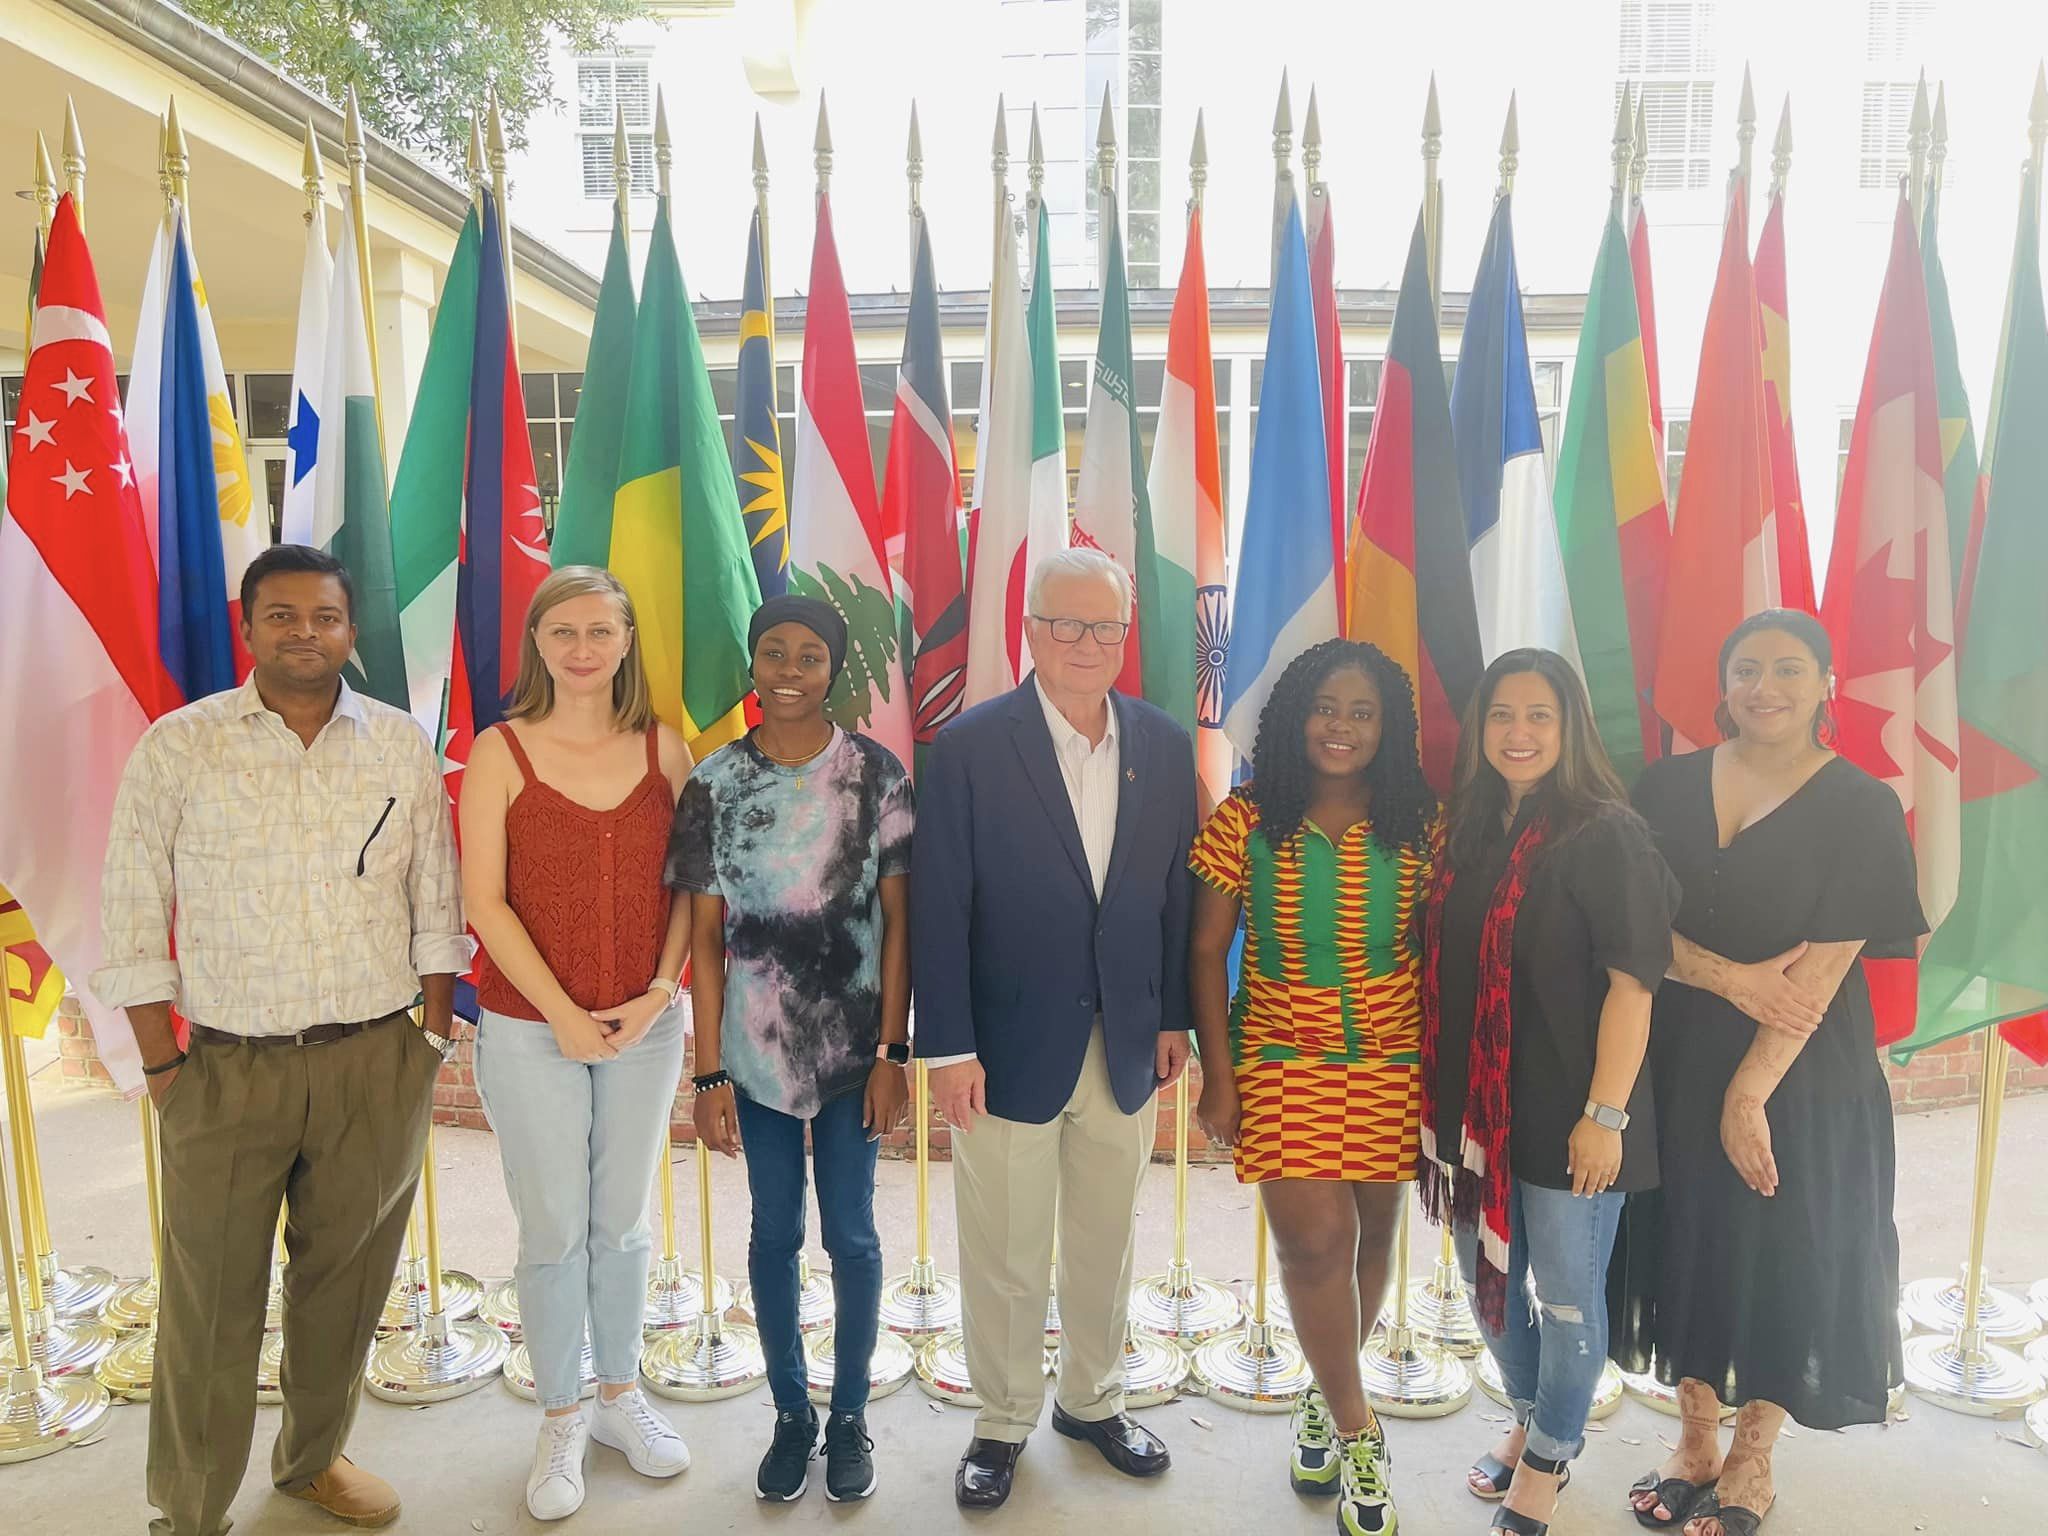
x,y
983,1478
1125,1444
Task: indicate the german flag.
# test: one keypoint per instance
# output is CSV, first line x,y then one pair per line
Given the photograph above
x,y
1410,573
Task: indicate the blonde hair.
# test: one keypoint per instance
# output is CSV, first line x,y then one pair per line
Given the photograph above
x,y
533,698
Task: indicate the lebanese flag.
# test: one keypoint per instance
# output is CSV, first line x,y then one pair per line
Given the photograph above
x,y
837,550
1788,510
1721,539
1322,290
1889,607
80,676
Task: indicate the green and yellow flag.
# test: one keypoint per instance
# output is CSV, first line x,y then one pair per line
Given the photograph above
x,y
678,541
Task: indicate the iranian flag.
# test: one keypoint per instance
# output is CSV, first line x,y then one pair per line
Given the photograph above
x,y
1788,510
1186,495
999,527
1047,530
1888,607
836,547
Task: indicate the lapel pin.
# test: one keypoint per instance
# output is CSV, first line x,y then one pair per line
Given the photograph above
x,y
1130,775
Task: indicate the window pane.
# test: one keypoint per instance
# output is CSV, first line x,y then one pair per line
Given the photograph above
x,y
1145,186
1549,380
1148,381
1145,237
1144,132
1358,435
785,392
1073,385
725,389
878,448
1258,379
569,394
1147,25
594,93
967,387
1145,78
10,397
1365,383
1143,274
1105,72
540,394
635,94
878,387
1222,368
1105,23
547,469
270,405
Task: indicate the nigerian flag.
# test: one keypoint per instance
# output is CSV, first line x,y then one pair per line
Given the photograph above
x,y
678,541
583,518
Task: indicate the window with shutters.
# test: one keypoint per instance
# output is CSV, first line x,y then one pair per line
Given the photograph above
x,y
1895,35
1667,54
603,87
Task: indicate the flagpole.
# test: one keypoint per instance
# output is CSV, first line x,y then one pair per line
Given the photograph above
x,y
1433,198
1259,1367
1919,134
1781,154
1105,187
1937,147
1639,162
664,152
74,162
761,218
913,165
1622,156
129,1371
501,189
356,152
178,161
1510,152
1745,139
1283,173
45,192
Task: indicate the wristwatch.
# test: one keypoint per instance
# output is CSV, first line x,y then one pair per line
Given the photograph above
x,y
1606,1116
445,1044
896,1052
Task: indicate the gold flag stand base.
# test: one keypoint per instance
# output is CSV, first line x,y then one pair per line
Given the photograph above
x,y
411,1301
675,1296
519,1374
2037,1424
921,1304
133,1307
1606,1396
61,1346
129,1371
2037,1298
1258,1367
1440,1309
1178,1305
40,1415
1654,1395
942,1370
1155,1369
711,1359
1937,1306
1407,1376
270,1370
815,1302
500,1308
79,1294
888,1369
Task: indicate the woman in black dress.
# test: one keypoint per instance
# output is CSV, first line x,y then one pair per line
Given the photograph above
x,y
1764,1275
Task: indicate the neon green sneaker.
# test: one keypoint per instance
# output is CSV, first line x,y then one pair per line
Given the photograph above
x,y
1314,1466
1365,1507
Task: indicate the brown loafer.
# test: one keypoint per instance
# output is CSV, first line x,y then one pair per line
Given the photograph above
x,y
351,1495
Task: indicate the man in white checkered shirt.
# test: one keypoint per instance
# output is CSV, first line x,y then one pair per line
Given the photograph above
x,y
297,835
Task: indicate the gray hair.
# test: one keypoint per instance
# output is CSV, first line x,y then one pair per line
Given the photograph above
x,y
1079,561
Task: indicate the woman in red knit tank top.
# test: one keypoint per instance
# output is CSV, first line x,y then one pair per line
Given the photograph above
x,y
565,815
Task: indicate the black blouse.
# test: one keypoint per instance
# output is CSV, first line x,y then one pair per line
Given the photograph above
x,y
1602,900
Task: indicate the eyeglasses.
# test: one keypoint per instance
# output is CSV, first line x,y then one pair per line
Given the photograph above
x,y
1070,631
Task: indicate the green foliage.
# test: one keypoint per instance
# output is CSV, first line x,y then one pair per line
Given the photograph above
x,y
872,642
420,66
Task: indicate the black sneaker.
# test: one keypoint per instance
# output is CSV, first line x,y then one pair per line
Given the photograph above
x,y
786,1469
849,1459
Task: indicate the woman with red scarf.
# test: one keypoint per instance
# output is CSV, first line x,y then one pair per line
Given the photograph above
x,y
1546,935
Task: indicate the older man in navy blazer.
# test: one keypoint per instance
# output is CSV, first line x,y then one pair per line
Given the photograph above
x,y
1049,938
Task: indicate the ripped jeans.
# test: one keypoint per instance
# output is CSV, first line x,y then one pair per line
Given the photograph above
x,y
1554,1347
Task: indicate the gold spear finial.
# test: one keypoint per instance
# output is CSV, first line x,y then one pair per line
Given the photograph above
x,y
473,160
1283,136
1781,149
495,149
45,185
180,155
622,161
1105,146
1198,162
913,161
1034,173
1937,146
1639,161
74,161
1433,190
1312,145
1745,127
1919,132
821,149
313,176
1510,150
664,152
352,147
1622,156
760,160
163,161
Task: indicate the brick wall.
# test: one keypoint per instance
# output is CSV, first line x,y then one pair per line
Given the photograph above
x,y
1947,1075
77,1054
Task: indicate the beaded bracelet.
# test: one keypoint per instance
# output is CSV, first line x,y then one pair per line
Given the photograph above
x,y
711,1080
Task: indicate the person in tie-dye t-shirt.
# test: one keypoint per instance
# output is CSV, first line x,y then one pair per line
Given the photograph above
x,y
794,844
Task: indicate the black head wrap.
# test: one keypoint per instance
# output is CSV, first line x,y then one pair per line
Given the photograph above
x,y
815,614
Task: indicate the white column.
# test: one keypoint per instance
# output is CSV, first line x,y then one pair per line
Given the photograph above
x,y
406,285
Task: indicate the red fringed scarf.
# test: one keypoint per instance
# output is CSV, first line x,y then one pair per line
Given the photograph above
x,y
1476,1191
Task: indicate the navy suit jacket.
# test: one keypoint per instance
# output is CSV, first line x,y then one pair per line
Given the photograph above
x,y
1012,956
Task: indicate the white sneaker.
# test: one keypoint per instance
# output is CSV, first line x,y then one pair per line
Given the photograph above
x,y
554,1486
628,1423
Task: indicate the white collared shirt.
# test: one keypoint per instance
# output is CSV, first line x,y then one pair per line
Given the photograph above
x,y
309,884
1090,771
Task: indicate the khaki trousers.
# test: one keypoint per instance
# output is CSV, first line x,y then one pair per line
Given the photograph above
x,y
337,1131
1009,1179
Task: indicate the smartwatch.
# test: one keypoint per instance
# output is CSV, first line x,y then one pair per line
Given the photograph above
x,y
897,1053
1607,1117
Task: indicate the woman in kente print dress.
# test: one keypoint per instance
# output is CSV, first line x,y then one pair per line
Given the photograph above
x,y
1311,1071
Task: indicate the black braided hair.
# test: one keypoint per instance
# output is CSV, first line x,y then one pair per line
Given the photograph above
x,y
1402,804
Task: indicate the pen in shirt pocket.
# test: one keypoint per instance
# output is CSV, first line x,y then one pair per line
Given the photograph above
x,y
363,858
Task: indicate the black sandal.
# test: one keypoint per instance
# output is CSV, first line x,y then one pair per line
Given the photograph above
x,y
1735,1519
1682,1498
1499,1477
1515,1523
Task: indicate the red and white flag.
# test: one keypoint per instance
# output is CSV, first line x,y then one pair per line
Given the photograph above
x,y
1889,607
80,674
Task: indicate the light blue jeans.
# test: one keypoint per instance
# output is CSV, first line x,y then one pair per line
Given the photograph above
x,y
580,1144
1554,1345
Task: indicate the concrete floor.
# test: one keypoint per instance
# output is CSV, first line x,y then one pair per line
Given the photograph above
x,y
461,1465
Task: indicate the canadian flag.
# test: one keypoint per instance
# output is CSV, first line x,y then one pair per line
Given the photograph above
x,y
80,674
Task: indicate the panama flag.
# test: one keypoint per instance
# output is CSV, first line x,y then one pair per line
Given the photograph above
x,y
1788,510
309,370
80,673
1286,597
836,550
1186,490
1889,606
921,495
1000,527
504,555
1518,585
